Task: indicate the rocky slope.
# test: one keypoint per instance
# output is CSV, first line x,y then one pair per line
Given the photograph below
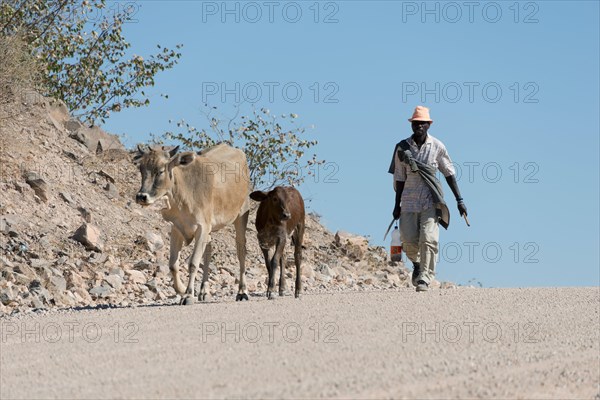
x,y
72,236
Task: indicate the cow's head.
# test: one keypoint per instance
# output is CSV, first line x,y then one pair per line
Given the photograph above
x,y
156,166
276,202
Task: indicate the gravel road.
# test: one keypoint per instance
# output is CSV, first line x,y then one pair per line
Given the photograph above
x,y
464,343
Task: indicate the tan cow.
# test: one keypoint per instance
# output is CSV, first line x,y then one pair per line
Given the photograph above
x,y
204,192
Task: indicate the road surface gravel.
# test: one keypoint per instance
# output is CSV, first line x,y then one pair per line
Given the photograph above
x,y
464,343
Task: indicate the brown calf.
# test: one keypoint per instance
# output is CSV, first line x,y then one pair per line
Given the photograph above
x,y
280,213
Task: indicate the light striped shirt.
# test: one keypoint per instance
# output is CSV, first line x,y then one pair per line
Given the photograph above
x,y
416,195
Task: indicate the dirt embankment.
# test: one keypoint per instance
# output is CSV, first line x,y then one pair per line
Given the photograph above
x,y
72,236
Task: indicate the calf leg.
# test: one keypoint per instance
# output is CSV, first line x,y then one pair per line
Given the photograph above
x,y
298,237
282,273
268,265
240,244
272,270
175,248
273,266
205,272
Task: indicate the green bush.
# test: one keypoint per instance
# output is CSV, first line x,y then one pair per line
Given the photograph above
x,y
84,59
274,146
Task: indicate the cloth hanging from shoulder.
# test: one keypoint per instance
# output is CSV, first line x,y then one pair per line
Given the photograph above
x,y
427,172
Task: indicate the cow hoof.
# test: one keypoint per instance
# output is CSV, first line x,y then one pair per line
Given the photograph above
x,y
241,297
187,301
270,296
281,294
202,297
297,295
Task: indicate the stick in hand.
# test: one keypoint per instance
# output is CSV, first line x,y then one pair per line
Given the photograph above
x,y
466,219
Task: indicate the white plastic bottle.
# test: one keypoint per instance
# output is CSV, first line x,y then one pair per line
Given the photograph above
x,y
396,246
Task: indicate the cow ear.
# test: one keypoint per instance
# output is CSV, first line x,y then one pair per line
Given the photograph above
x,y
182,159
258,195
173,151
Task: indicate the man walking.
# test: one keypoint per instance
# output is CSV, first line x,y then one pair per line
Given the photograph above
x,y
419,201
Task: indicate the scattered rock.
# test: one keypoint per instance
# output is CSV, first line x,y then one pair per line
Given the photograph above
x,y
448,285
107,176
100,291
153,241
162,270
75,280
135,276
67,198
85,213
115,281
95,139
142,265
352,245
59,283
82,295
73,125
21,188
36,302
152,285
56,108
38,185
89,236
39,263
97,258
42,293
308,271
325,270
70,155
111,191
7,295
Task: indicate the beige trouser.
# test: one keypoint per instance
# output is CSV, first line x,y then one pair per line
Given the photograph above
x,y
420,235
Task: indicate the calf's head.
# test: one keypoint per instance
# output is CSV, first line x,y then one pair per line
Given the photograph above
x,y
156,167
276,202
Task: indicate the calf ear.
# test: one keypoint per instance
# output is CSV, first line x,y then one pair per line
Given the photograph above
x,y
182,159
258,195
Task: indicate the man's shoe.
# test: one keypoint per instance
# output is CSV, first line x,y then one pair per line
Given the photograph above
x,y
422,286
415,274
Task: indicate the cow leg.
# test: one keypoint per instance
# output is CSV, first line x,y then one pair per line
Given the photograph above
x,y
175,248
298,237
202,238
240,224
205,272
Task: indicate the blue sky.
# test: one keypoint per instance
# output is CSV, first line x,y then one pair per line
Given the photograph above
x,y
513,89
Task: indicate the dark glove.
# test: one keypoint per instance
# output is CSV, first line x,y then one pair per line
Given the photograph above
x,y
396,213
462,209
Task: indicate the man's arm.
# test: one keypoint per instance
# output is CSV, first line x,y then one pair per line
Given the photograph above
x,y
398,180
445,166
462,209
399,188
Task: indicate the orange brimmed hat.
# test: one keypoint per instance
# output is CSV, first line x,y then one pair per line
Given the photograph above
x,y
421,114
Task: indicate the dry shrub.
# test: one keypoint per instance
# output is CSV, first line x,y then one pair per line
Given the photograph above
x,y
19,72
